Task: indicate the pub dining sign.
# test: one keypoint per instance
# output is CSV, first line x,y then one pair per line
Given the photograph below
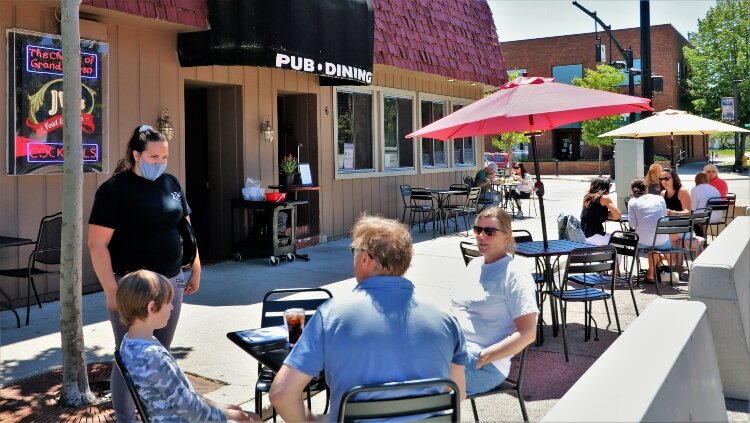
x,y
35,97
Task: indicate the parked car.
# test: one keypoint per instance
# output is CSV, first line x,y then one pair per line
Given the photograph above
x,y
502,159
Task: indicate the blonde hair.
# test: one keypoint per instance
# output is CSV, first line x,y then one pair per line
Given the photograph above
x,y
503,221
136,289
653,174
386,241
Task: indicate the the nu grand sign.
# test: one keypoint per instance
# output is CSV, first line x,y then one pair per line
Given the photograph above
x,y
35,98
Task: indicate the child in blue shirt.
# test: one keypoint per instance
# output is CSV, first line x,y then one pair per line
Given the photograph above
x,y
144,301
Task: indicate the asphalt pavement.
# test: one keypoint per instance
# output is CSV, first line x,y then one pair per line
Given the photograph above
x,y
231,292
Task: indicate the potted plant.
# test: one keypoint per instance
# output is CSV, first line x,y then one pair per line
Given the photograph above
x,y
288,167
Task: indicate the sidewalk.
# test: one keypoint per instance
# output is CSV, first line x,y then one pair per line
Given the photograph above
x,y
231,292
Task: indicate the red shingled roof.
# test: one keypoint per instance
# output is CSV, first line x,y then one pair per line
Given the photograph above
x,y
186,12
452,38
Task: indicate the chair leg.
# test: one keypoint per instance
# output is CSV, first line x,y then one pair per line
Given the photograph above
x,y
614,308
609,318
10,307
632,295
474,409
328,399
565,339
522,404
258,403
309,395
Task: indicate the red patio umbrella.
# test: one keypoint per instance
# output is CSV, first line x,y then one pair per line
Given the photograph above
x,y
529,104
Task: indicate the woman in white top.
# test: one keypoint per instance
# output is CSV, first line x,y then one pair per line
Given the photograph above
x,y
644,212
497,309
525,189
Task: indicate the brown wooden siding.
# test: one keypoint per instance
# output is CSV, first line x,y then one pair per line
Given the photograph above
x,y
145,78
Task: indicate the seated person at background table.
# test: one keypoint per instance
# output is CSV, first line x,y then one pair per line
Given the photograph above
x,y
713,179
678,203
675,195
652,179
598,206
525,189
699,196
484,180
144,301
381,332
644,212
496,305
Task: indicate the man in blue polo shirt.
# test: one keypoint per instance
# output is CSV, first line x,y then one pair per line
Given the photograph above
x,y
382,332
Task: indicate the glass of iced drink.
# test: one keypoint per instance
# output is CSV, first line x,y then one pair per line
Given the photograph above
x,y
294,320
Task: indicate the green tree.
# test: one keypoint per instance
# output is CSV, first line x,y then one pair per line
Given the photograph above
x,y
718,55
605,78
506,141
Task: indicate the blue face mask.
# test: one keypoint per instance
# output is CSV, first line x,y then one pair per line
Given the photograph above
x,y
151,171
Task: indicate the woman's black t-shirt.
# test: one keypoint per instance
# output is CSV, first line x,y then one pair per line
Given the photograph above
x,y
143,215
673,202
592,219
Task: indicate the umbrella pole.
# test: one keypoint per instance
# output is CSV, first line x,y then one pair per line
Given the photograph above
x,y
671,148
539,189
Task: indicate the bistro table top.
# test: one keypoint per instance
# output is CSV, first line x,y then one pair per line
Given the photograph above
x,y
9,241
555,247
269,351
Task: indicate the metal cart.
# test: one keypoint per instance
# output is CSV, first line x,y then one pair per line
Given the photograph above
x,y
257,232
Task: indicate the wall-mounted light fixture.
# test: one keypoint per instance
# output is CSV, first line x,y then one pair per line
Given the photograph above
x,y
267,130
165,126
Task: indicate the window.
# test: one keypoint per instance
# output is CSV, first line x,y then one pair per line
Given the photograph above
x,y
565,73
463,148
433,150
354,140
397,123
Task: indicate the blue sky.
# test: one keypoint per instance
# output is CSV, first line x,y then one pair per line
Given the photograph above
x,y
519,20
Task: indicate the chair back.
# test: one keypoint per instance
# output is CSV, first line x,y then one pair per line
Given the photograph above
x,y
139,404
701,217
522,235
420,196
49,240
627,200
439,406
720,204
405,193
276,301
589,260
472,200
626,246
460,187
469,251
668,225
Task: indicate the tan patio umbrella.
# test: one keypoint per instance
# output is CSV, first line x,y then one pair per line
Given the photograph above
x,y
672,122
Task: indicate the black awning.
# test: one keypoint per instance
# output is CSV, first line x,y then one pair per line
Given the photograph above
x,y
330,38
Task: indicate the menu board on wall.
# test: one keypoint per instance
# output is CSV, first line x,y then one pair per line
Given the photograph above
x,y
35,97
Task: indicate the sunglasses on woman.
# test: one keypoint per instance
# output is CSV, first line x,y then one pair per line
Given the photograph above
x,y
665,178
489,230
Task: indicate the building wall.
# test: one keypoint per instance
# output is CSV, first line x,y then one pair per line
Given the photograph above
x,y
538,56
145,78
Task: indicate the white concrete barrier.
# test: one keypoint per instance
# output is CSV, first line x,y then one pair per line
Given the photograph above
x,y
720,279
661,369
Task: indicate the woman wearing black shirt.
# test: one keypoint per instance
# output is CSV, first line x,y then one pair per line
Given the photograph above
x,y
597,206
133,226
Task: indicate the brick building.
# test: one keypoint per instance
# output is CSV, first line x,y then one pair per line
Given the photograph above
x,y
565,57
